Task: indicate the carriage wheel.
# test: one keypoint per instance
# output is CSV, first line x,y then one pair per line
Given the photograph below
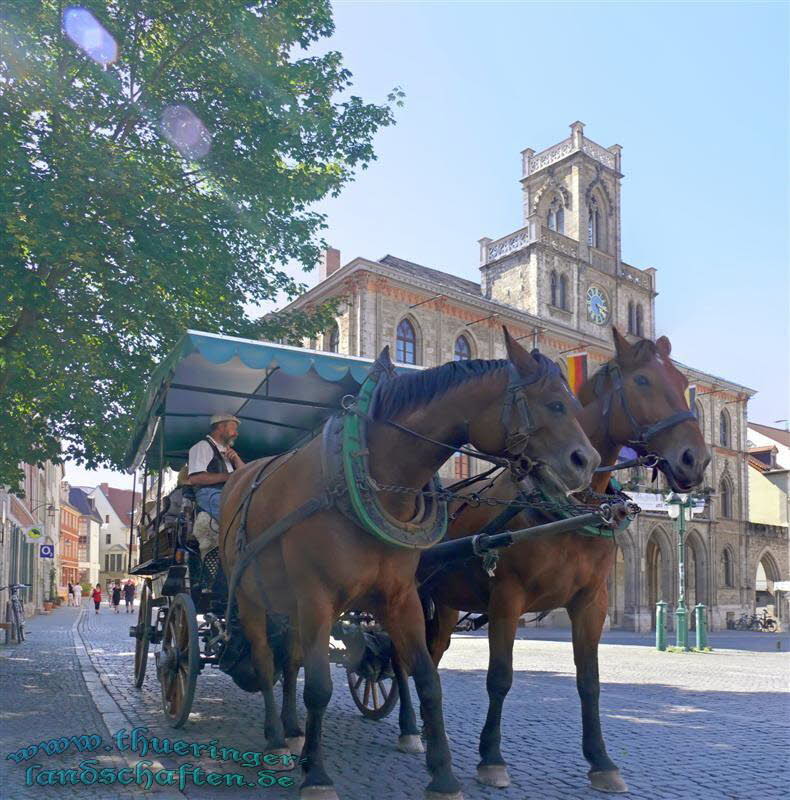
x,y
374,698
142,635
179,659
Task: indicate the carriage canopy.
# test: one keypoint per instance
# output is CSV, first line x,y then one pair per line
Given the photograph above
x,y
281,394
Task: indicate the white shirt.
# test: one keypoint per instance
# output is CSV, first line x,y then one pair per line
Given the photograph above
x,y
200,456
77,590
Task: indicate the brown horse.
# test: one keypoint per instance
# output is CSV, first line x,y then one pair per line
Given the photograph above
x,y
637,399
327,564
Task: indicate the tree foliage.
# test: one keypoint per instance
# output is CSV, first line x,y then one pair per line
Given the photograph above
x,y
162,191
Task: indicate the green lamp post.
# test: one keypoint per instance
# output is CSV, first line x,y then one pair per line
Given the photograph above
x,y
679,509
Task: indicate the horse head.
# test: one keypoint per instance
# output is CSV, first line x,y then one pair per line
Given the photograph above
x,y
643,395
537,423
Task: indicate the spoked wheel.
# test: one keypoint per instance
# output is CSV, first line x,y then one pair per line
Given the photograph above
x,y
142,634
374,697
770,626
179,659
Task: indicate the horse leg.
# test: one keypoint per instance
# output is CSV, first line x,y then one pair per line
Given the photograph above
x,y
504,610
294,735
587,613
263,661
406,627
438,631
409,739
315,624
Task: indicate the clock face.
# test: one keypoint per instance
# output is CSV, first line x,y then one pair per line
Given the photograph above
x,y
597,305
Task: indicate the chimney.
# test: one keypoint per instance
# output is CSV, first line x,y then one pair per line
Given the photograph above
x,y
105,487
329,263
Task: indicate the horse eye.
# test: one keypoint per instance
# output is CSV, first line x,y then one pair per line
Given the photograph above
x,y
557,407
641,380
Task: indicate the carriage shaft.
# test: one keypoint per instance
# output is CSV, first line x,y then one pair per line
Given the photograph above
x,y
470,546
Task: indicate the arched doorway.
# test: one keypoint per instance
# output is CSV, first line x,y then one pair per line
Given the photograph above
x,y
766,574
658,563
616,586
696,575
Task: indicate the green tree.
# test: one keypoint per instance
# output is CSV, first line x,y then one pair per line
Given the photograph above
x,y
159,164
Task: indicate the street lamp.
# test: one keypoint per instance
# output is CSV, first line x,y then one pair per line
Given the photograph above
x,y
679,508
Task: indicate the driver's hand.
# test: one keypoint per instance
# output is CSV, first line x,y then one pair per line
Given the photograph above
x,y
233,456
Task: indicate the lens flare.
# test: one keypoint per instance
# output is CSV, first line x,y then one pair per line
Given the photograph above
x,y
184,130
90,35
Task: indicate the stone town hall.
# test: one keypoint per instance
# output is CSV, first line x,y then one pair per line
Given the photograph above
x,y
560,283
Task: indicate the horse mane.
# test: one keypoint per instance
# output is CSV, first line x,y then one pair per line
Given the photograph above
x,y
403,393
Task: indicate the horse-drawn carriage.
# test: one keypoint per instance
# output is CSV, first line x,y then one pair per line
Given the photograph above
x,y
333,413
283,396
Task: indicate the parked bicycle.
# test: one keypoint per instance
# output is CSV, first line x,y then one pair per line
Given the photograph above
x,y
15,614
764,623
755,622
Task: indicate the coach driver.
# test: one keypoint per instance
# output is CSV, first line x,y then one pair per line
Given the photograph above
x,y
212,460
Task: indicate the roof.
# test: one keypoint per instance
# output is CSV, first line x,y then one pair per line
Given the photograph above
x,y
80,500
281,394
120,500
777,434
435,275
760,466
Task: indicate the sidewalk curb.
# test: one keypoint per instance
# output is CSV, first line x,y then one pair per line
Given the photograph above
x,y
112,715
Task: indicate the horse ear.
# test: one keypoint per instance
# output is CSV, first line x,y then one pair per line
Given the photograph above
x,y
621,346
522,360
664,346
383,364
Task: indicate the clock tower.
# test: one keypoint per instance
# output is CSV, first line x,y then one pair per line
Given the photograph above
x,y
564,264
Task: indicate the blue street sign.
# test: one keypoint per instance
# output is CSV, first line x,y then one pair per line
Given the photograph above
x,y
46,551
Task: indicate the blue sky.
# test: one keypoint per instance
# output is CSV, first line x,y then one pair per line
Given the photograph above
x,y
696,94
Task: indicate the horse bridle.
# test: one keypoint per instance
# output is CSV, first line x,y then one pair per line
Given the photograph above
x,y
642,433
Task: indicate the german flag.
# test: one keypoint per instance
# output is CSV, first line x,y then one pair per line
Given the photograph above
x,y
577,371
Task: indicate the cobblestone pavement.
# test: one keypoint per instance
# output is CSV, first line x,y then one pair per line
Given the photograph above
x,y
711,725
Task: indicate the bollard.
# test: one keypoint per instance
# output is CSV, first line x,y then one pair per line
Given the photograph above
x,y
702,626
661,625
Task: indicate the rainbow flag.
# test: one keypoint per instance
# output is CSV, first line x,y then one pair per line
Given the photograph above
x,y
577,371
691,397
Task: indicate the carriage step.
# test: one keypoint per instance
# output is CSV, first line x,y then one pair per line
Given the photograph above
x,y
158,601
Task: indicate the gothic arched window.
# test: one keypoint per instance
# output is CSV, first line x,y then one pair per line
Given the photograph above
x,y
639,329
631,317
564,292
593,224
727,577
461,462
556,216
334,340
554,288
724,429
462,352
406,346
725,494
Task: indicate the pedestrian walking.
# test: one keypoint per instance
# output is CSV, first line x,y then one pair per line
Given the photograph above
x,y
78,595
128,596
116,598
71,593
96,595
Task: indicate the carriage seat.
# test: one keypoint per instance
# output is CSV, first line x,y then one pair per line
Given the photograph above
x,y
206,532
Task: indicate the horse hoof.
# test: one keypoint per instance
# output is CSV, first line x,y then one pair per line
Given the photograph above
x,y
318,793
287,761
295,744
493,775
608,781
429,795
410,743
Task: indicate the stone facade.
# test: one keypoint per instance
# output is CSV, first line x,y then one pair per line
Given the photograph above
x,y
538,281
